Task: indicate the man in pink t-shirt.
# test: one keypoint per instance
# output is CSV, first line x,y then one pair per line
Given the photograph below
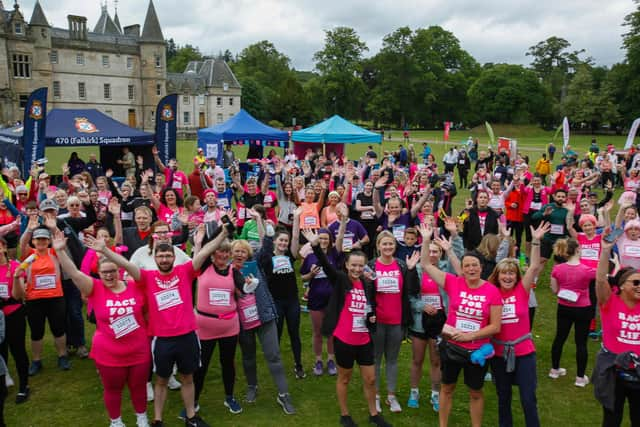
x,y
174,178
171,318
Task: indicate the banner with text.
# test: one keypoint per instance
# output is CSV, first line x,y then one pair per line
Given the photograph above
x,y
166,127
565,134
35,124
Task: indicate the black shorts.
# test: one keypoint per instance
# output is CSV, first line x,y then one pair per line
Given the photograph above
x,y
473,374
40,310
347,354
546,248
183,350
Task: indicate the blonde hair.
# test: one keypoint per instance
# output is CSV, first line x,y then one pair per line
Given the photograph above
x,y
565,248
384,234
242,244
488,246
507,264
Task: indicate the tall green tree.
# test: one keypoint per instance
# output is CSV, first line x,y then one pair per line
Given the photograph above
x,y
340,65
184,54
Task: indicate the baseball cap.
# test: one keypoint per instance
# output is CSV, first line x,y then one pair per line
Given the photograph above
x,y
44,175
22,189
41,233
48,204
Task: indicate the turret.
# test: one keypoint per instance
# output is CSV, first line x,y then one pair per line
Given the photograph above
x,y
153,65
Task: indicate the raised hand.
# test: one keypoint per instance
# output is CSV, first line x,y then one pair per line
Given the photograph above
x,y
412,260
445,244
59,242
114,207
538,233
425,231
154,150
381,182
51,222
33,222
505,231
450,225
91,242
183,217
108,173
198,237
311,236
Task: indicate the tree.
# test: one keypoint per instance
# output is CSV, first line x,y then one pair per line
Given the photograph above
x,y
253,99
184,55
171,49
340,65
508,93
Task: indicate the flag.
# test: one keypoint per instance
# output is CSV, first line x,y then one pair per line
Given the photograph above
x,y
166,127
632,134
565,133
492,138
555,135
35,124
447,127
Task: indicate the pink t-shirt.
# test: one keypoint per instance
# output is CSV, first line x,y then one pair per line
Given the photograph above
x,y
470,308
179,179
430,292
620,326
165,213
352,323
6,286
121,332
216,295
515,320
573,284
388,293
482,218
589,249
269,203
170,300
629,251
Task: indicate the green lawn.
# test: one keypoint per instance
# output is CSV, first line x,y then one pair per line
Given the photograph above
x,y
74,398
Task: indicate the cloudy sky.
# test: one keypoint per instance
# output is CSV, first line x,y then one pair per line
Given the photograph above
x,y
491,30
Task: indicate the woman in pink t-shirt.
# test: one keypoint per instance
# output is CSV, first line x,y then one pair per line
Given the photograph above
x,y
620,313
515,354
120,346
570,281
474,316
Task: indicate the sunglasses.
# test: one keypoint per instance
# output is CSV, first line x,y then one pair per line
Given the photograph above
x,y
634,282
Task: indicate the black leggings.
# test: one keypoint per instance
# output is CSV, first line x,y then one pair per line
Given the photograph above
x,y
516,232
40,310
3,397
565,318
227,356
462,174
15,337
289,310
622,393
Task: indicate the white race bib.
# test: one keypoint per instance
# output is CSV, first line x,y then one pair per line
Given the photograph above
x,y
535,206
242,213
359,324
366,215
281,264
268,199
321,275
508,311
398,232
167,299
45,281
219,297
589,253
632,251
4,290
461,162
432,300
310,221
466,325
388,285
568,295
177,185
222,203
557,229
347,242
124,325
250,313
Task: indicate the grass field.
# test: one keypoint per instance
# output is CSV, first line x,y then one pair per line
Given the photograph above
x,y
74,398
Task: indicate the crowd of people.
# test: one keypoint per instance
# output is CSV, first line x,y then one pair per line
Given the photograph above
x,y
171,264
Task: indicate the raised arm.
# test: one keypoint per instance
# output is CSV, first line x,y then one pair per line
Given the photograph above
x,y
341,230
83,282
535,265
433,271
329,270
156,159
421,201
377,189
295,233
100,247
603,290
447,248
210,247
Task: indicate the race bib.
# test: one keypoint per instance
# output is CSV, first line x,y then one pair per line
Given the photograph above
x,y
250,313
45,281
104,200
4,290
219,297
321,275
498,175
557,229
124,325
461,162
359,324
310,221
508,311
176,185
398,232
589,253
347,242
432,300
466,325
268,200
568,295
222,203
535,206
167,299
388,285
632,251
281,264
242,213
366,215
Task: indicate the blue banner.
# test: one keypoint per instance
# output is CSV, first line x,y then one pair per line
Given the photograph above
x,y
166,127
35,122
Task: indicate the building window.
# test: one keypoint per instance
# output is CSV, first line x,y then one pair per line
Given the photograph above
x,y
23,99
21,66
186,118
185,99
18,27
107,91
82,90
220,118
158,60
80,58
231,101
225,86
105,61
56,89
132,92
129,63
53,57
158,89
219,101
201,99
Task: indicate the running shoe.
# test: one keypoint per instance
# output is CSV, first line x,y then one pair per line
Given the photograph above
x,y
196,421
82,352
300,373
285,401
233,405
377,420
63,363
150,391
117,423
347,421
23,396
157,423
414,399
174,384
35,368
318,369
378,407
183,413
142,420
435,401
582,381
557,373
252,394
332,369
393,403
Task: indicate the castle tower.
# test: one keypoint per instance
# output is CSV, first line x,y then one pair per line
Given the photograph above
x,y
153,66
40,35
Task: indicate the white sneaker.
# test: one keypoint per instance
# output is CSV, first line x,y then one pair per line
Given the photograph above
x,y
8,380
557,373
149,391
378,407
174,384
582,381
393,403
117,423
142,420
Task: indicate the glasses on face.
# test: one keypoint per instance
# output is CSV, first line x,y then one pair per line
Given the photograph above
x,y
634,282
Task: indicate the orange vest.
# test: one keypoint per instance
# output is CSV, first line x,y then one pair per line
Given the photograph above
x,y
309,218
43,278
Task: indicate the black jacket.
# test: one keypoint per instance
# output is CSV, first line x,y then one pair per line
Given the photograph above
x,y
471,232
411,287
